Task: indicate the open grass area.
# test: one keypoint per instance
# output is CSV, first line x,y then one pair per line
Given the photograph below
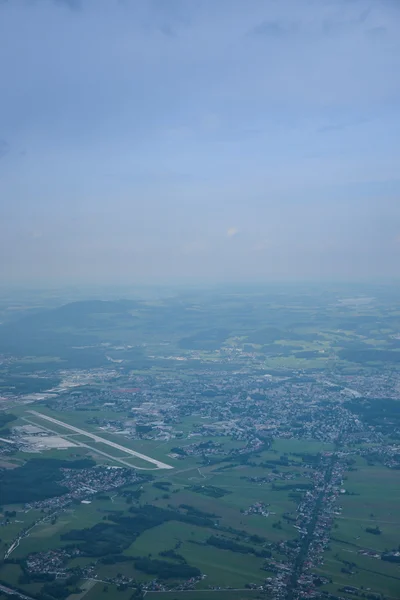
x,y
367,572
102,591
21,520
89,442
45,536
369,507
301,446
85,586
223,567
207,595
11,574
366,507
154,448
165,537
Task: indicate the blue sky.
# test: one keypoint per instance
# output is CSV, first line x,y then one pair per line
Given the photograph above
x,y
152,140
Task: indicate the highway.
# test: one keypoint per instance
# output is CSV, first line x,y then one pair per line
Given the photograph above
x,y
97,438
11,592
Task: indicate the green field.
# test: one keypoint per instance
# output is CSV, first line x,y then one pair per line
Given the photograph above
x,y
367,508
259,387
208,595
101,591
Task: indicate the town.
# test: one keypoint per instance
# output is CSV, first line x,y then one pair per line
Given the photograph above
x,y
218,418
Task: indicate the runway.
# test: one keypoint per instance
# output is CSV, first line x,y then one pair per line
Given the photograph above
x,y
97,438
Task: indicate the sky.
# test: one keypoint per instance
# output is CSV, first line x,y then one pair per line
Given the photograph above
x,y
209,140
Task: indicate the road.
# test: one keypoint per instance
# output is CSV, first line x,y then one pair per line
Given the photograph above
x,y
25,533
197,591
10,592
298,566
97,438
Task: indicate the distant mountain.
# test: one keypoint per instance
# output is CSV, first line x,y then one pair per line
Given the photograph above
x,y
74,314
58,331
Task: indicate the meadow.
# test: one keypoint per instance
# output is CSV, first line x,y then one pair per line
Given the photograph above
x,y
366,506
291,333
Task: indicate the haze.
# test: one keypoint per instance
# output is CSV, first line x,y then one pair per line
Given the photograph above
x,y
213,139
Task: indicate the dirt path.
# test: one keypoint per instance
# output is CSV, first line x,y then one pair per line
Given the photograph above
x,y
85,587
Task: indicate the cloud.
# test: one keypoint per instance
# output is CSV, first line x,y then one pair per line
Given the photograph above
x,y
71,4
167,30
211,122
196,247
274,28
340,24
250,114
261,246
344,124
4,148
377,32
336,21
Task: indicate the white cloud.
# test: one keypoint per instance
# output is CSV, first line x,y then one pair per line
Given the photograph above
x,y
232,231
261,246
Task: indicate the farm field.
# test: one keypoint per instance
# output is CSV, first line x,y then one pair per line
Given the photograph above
x,y
365,507
277,413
